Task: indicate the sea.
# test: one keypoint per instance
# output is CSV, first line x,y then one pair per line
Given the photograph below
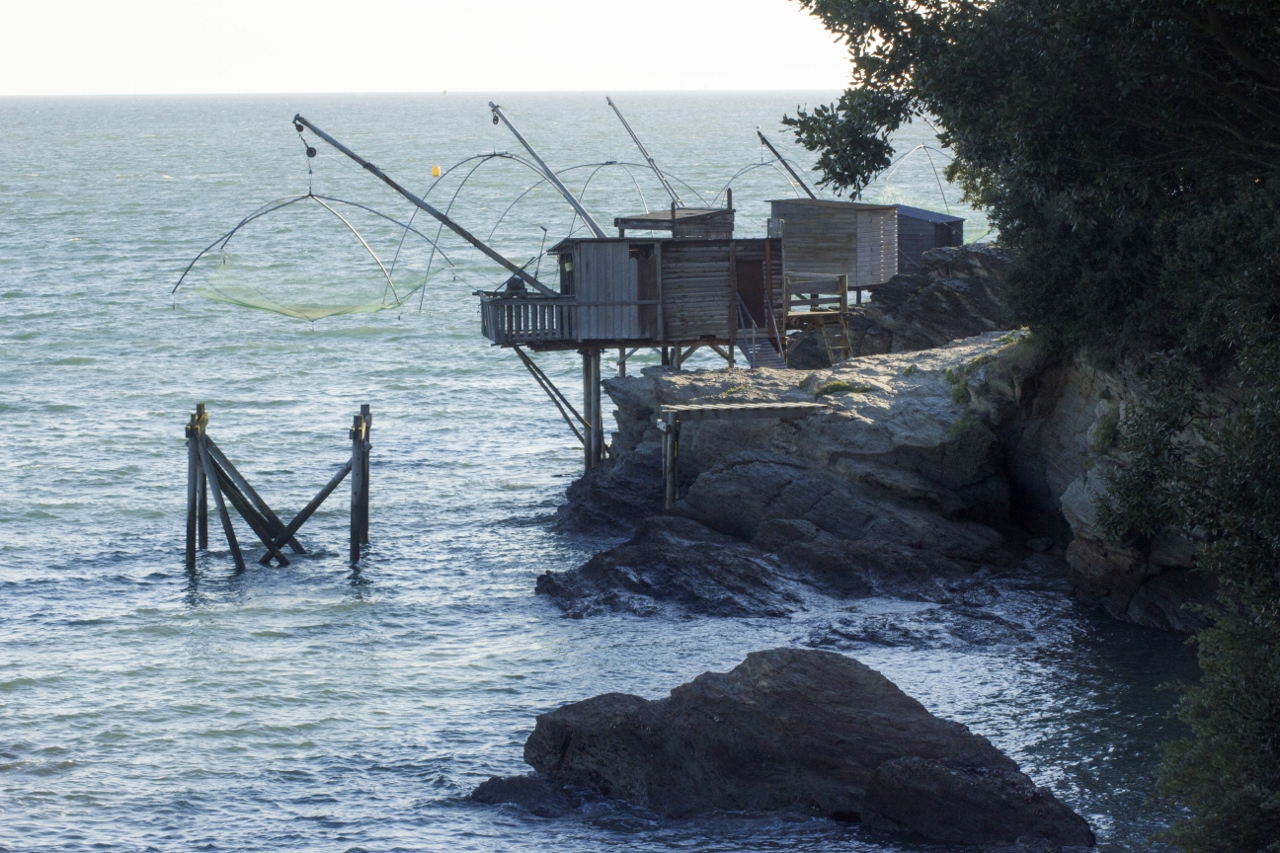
x,y
326,707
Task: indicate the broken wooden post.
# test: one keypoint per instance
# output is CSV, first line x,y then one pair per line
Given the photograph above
x,y
206,462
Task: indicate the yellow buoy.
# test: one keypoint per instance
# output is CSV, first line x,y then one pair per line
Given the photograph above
x,y
435,171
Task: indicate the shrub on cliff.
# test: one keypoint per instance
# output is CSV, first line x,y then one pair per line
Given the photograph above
x,y
1129,152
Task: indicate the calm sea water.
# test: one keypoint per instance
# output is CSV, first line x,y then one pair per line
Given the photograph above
x,y
317,707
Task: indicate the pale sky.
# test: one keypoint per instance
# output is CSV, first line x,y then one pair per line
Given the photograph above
x,y
74,47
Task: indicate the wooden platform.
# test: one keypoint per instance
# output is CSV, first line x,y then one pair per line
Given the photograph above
x,y
742,411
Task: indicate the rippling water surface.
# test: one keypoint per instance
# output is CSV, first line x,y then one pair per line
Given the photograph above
x,y
317,707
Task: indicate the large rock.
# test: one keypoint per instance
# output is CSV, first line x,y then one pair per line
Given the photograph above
x,y
798,730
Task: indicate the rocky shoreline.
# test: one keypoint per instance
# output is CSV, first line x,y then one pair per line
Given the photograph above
x,y
955,464
930,465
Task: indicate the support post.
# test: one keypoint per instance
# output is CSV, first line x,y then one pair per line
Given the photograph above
x,y
357,485
622,361
367,417
670,457
193,486
597,422
211,478
202,482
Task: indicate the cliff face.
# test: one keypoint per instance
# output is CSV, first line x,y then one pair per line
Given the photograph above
x,y
1059,447
929,466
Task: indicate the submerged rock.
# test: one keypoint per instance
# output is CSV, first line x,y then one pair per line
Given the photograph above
x,y
528,792
677,562
805,731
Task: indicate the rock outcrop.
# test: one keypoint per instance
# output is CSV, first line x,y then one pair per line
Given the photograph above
x,y
928,466
1058,437
804,731
886,493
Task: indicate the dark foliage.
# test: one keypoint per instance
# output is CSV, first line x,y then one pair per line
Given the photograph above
x,y
1129,152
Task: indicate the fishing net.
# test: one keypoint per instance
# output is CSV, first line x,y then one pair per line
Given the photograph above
x,y
312,257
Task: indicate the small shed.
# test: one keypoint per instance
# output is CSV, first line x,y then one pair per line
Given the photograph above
x,y
831,238
920,230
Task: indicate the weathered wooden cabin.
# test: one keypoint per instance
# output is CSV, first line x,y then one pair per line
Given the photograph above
x,y
627,292
920,230
832,251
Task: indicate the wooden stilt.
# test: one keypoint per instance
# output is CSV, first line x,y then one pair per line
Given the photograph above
x,y
588,413
597,421
367,417
202,485
211,478
193,486
670,457
622,361
357,485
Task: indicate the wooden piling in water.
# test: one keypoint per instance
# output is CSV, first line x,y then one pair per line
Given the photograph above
x,y
367,416
202,485
359,485
193,486
208,467
211,477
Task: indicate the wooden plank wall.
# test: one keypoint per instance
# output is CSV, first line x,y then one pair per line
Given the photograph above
x,y
605,278
877,253
696,289
831,240
820,240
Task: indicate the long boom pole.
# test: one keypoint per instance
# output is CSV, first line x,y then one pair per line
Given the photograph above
x,y
785,164
301,122
551,176
675,199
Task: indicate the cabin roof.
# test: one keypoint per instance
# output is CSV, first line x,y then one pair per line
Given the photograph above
x,y
660,219
568,243
927,215
832,204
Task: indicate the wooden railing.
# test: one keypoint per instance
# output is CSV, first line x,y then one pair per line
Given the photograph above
x,y
520,320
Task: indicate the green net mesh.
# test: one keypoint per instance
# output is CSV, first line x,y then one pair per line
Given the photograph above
x,y
312,257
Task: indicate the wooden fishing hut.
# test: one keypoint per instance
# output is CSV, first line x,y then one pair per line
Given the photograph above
x,y
628,293
832,252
